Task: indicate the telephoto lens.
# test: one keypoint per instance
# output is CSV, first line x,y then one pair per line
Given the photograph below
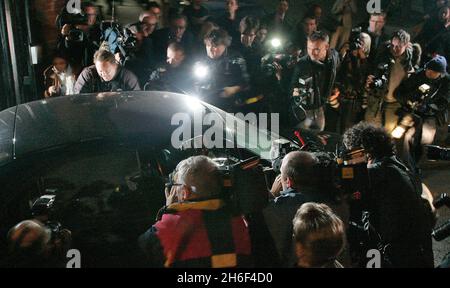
x,y
441,232
438,153
443,200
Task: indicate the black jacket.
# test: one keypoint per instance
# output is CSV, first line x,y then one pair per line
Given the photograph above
x,y
90,82
323,77
175,79
229,70
399,214
435,104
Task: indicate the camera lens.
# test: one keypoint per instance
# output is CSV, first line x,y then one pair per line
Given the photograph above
x,y
441,232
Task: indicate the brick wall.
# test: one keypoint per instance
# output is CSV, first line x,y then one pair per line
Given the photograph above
x,y
45,12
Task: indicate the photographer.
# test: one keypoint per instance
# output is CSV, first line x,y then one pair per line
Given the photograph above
x,y
377,33
395,61
424,97
301,182
59,78
227,75
398,213
199,230
106,75
304,29
352,77
33,245
176,32
315,74
231,19
80,35
175,75
277,23
435,37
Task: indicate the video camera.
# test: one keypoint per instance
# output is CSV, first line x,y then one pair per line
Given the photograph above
x,y
244,184
352,174
73,20
443,231
120,39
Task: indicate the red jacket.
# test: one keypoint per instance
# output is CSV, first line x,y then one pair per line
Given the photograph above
x,y
203,234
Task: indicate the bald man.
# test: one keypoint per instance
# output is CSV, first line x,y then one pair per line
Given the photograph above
x,y
31,245
301,184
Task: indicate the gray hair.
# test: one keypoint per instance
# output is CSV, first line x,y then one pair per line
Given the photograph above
x,y
299,166
201,174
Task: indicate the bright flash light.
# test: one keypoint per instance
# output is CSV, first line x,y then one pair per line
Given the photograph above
x,y
193,103
398,132
276,42
200,70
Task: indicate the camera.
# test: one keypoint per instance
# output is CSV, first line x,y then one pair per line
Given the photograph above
x,y
75,34
438,153
120,39
305,89
381,81
280,148
268,66
355,39
443,200
443,231
43,210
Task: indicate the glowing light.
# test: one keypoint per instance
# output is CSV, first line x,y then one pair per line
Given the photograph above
x,y
398,132
194,103
276,42
200,70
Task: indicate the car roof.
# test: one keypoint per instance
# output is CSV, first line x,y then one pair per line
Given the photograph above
x,y
57,121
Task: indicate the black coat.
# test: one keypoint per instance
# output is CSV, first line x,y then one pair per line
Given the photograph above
x,y
90,82
435,104
323,77
399,214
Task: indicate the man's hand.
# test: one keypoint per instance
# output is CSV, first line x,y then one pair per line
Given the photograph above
x,y
52,90
171,195
65,30
278,69
277,187
230,91
369,81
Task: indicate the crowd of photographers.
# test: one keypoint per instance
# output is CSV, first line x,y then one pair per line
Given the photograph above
x,y
318,77
318,74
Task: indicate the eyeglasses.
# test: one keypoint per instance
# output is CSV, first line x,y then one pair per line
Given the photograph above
x,y
171,181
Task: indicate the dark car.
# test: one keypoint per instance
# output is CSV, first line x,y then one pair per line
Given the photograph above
x,y
106,158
